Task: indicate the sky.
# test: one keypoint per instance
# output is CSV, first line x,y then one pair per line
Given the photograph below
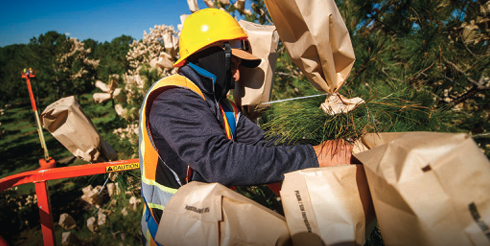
x,y
99,20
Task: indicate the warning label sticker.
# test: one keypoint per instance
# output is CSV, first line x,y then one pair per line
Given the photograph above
x,y
123,167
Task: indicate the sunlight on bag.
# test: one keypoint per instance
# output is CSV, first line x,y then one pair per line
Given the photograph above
x,y
328,206
67,122
211,214
428,188
255,85
318,42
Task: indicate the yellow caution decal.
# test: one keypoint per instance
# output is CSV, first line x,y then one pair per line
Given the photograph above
x,y
123,167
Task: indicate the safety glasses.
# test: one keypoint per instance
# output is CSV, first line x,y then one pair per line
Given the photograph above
x,y
242,44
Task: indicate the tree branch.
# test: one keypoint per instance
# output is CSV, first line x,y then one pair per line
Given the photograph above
x,y
462,72
286,74
469,94
383,70
423,71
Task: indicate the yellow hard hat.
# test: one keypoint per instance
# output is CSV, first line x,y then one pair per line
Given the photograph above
x,y
205,27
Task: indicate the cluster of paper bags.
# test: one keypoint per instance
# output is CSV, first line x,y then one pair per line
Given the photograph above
x,y
424,189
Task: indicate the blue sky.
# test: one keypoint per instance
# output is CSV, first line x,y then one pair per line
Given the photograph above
x,y
99,20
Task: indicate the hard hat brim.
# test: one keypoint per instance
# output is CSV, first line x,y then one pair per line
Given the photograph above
x,y
248,60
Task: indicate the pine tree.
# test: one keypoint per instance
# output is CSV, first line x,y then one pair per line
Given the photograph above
x,y
420,66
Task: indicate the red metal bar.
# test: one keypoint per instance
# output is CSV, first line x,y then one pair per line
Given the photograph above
x,y
27,75
276,188
31,95
3,242
44,204
61,173
41,176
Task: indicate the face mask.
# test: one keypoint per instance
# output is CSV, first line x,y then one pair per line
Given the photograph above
x,y
218,62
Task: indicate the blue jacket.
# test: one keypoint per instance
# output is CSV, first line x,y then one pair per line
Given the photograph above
x,y
188,130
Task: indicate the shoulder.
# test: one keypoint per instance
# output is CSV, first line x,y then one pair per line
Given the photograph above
x,y
175,87
178,97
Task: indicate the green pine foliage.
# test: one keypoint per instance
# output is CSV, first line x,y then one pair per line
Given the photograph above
x,y
389,107
417,68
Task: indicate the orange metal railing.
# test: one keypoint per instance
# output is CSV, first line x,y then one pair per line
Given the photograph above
x,y
41,176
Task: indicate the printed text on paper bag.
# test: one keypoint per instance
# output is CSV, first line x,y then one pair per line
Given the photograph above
x,y
303,212
197,210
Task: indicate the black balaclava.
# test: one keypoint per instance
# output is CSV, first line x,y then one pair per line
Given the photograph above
x,y
218,62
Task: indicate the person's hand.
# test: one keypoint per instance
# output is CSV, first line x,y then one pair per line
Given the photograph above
x,y
333,152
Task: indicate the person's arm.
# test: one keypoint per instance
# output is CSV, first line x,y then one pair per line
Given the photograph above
x,y
329,153
249,133
185,121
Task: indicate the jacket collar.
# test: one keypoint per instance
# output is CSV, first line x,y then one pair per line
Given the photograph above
x,y
202,78
205,81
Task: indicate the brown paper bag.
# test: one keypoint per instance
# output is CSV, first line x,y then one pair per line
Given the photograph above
x,y
102,97
428,188
209,3
68,123
328,206
193,5
318,42
211,214
255,85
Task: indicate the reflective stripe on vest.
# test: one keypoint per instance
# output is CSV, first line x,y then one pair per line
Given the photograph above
x,y
154,194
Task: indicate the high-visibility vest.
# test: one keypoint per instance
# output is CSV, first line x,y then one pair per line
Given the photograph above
x,y
158,194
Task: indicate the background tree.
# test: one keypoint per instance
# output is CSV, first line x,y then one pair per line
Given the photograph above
x,y
13,59
112,56
428,58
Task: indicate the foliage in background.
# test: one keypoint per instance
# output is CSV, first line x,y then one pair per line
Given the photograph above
x,y
420,65
65,66
63,63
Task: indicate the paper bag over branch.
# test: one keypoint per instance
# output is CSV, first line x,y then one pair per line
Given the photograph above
x,y
211,214
428,188
68,123
318,42
328,206
193,5
255,85
108,89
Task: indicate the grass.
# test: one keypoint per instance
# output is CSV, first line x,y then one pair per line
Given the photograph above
x,y
20,144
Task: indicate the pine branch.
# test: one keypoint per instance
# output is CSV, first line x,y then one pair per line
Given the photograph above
x,y
468,49
462,72
364,66
268,19
482,135
287,74
483,80
383,70
423,71
469,94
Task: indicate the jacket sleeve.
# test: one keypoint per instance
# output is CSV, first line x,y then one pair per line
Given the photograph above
x,y
249,133
185,121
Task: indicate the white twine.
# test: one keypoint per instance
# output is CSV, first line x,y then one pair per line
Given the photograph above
x,y
297,98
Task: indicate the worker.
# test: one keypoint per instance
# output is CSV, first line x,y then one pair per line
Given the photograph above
x,y
190,131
